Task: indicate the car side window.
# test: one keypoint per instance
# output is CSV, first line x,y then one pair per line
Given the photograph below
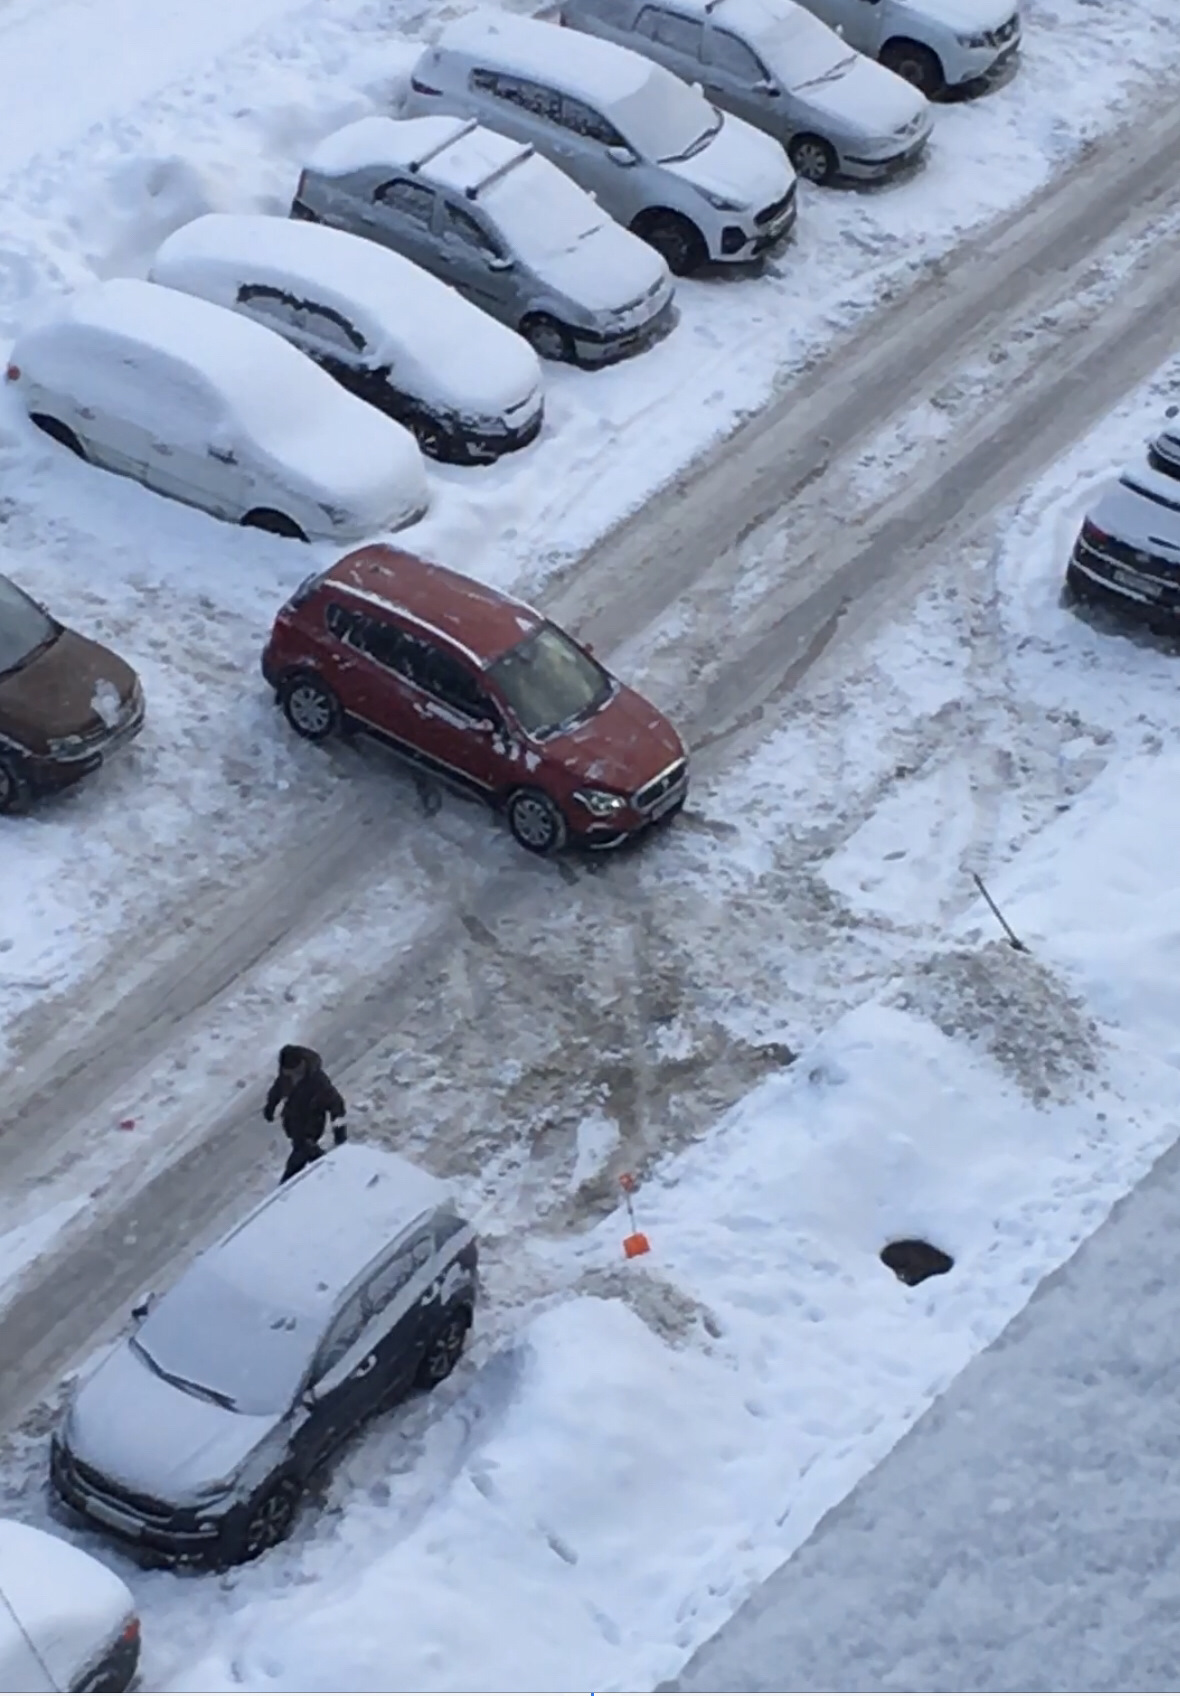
x,y
413,200
518,91
274,306
346,624
389,1280
737,60
342,1334
470,232
327,325
449,681
581,119
389,646
682,35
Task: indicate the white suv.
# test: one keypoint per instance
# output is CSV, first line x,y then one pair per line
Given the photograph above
x,y
695,183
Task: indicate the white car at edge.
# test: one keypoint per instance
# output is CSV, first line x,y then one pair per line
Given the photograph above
x,y
66,1621
203,405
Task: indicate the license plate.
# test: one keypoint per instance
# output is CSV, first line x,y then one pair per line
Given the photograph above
x,y
113,1517
1137,586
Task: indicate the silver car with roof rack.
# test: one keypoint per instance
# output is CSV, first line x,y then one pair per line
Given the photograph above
x,y
501,224
695,182
196,1436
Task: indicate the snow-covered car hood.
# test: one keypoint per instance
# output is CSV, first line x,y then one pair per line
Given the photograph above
x,y
607,271
739,164
355,460
1145,515
66,1609
866,99
623,746
963,17
143,1432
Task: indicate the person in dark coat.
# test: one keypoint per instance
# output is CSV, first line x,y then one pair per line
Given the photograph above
x,y
309,1099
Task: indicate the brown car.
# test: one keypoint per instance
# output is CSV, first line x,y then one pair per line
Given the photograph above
x,y
65,702
479,689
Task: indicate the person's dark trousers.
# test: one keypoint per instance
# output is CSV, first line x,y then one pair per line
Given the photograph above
x,y
302,1154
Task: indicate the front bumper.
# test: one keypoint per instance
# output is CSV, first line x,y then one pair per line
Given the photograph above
x,y
484,446
594,350
153,1530
983,64
1149,593
881,170
750,239
661,800
49,774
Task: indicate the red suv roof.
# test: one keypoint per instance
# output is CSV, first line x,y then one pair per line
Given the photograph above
x,y
481,620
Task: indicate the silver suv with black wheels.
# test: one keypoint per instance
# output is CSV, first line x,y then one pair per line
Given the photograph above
x,y
196,1436
502,225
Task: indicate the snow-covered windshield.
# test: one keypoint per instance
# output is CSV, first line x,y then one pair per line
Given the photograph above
x,y
793,43
24,628
223,1346
540,213
665,120
550,683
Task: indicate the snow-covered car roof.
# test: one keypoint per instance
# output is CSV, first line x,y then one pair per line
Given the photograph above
x,y
436,340
1142,508
66,1608
306,1243
579,64
297,416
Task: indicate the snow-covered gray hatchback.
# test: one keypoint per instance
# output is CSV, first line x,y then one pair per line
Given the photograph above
x,y
196,1436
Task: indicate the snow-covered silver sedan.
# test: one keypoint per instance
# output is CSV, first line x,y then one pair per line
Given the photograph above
x,y
211,409
838,113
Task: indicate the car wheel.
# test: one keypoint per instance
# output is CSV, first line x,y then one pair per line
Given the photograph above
x,y
59,431
14,786
312,710
536,822
677,240
917,64
443,1350
267,1522
814,158
277,523
547,338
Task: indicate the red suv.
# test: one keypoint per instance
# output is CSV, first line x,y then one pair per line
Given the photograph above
x,y
480,689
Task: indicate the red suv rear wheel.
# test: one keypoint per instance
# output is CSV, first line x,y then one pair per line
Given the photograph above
x,y
312,710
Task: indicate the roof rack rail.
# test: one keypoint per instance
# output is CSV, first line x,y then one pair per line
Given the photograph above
x,y
441,146
475,189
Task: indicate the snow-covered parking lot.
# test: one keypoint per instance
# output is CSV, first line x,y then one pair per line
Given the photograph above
x,y
791,1016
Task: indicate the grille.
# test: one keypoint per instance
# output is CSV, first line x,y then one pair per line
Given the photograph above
x,y
770,213
116,1495
654,792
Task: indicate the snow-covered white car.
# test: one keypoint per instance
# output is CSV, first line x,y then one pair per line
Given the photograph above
x,y
1128,549
935,44
772,62
66,1621
695,183
500,223
467,387
201,404
341,1291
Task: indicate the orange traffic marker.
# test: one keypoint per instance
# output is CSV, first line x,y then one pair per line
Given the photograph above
x,y
636,1243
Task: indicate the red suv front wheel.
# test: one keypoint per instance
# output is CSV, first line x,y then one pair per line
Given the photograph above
x,y
536,822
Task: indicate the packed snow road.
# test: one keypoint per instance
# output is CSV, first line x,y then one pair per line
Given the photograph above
x,y
1031,336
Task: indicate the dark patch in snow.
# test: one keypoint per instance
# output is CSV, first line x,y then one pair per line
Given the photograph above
x,y
913,1260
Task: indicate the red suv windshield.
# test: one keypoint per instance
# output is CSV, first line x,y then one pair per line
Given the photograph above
x,y
550,683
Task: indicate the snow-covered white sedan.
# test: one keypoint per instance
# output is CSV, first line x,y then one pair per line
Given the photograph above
x,y
66,1621
468,387
201,404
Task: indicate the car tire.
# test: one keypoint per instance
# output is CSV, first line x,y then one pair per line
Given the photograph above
x,y
536,822
442,1352
547,338
276,523
15,792
916,64
813,158
266,1522
59,431
676,239
311,708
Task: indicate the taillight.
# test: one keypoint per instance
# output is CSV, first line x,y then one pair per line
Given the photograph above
x,y
1091,533
130,1632
12,374
423,87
